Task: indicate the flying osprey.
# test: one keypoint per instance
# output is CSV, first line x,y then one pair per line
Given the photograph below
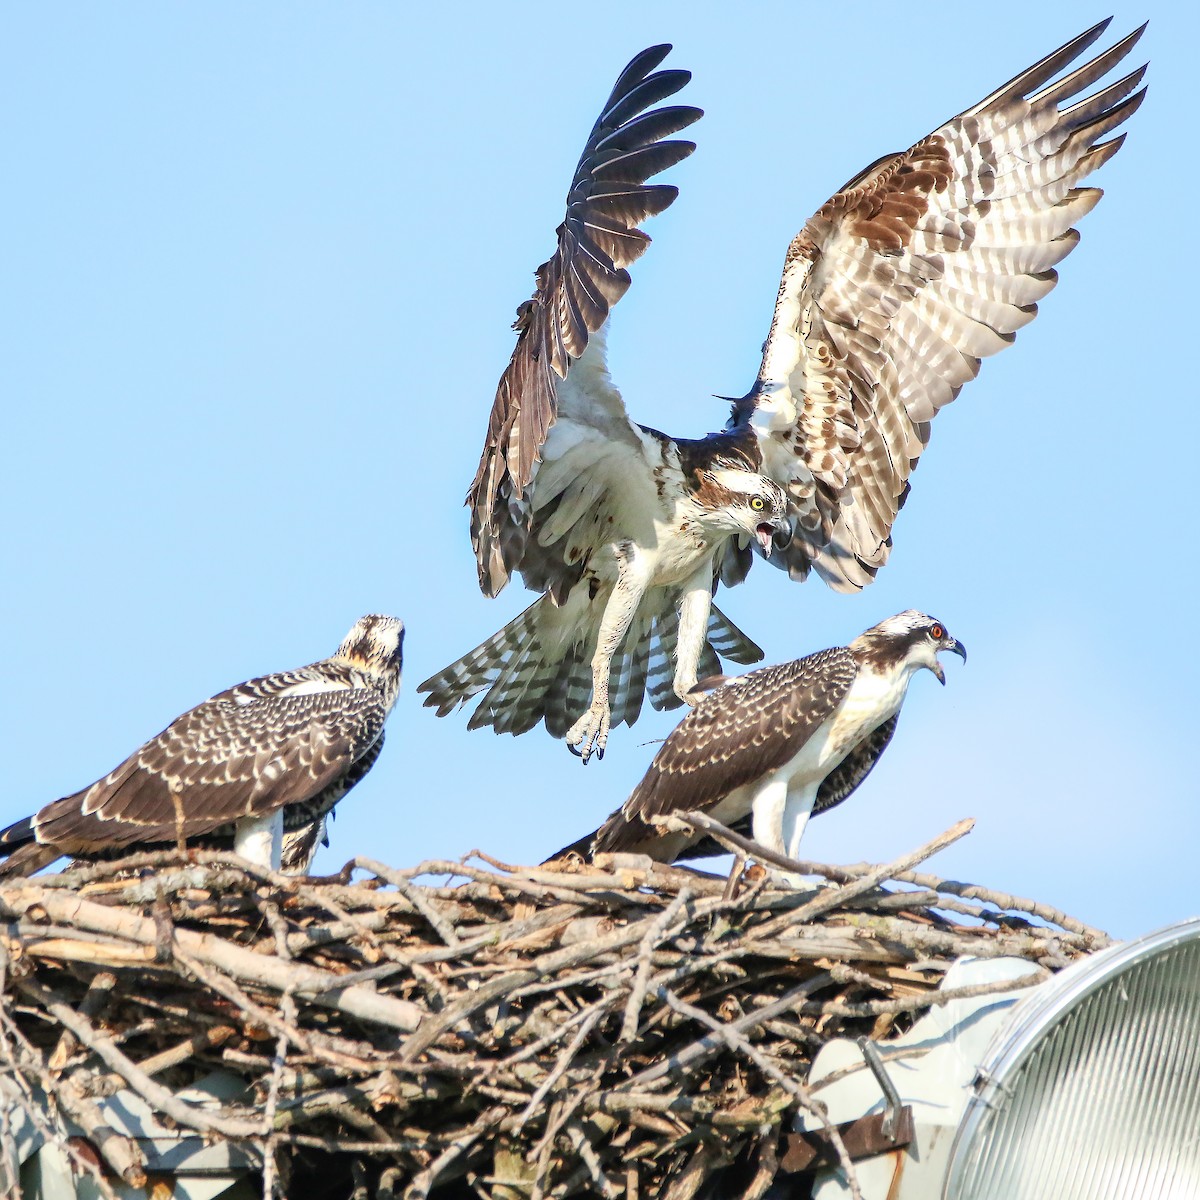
x,y
258,767
891,293
777,744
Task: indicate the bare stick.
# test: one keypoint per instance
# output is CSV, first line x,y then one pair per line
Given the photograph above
x,y
705,1046
564,1061
153,1093
94,1001
736,844
872,879
445,929
737,1042
652,937
234,960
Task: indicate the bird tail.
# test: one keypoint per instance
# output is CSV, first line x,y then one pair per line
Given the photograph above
x,y
582,847
22,855
539,666
27,859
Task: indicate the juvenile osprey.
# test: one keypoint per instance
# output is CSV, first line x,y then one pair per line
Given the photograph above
x,y
891,293
258,764
778,744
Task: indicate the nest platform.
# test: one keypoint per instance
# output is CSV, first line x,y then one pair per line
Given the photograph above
x,y
474,1029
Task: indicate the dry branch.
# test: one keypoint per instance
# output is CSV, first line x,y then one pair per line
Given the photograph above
x,y
466,1030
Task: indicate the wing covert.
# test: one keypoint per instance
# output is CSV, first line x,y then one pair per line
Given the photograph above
x,y
222,761
893,291
737,734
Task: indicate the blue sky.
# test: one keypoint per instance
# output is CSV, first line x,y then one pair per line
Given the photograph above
x,y
261,262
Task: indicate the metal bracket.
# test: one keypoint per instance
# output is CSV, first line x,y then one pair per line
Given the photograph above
x,y
863,1138
866,1137
871,1056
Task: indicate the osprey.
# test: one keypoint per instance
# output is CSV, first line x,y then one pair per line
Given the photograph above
x,y
891,293
257,767
778,744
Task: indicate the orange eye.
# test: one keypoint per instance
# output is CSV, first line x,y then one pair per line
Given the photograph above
x,y
937,632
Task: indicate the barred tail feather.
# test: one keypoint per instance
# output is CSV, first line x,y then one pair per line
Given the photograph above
x,y
538,667
523,670
709,663
729,641
453,686
569,696
661,677
627,672
510,704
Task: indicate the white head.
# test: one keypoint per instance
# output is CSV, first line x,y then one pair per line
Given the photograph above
x,y
734,500
375,644
909,640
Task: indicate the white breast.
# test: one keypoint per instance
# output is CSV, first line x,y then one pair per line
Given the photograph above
x,y
872,699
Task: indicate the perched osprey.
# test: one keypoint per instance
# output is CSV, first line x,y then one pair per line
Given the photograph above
x,y
891,293
258,767
778,744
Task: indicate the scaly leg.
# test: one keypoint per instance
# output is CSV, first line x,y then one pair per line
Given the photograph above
x,y
693,631
590,733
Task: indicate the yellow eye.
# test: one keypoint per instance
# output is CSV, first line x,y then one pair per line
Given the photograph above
x,y
937,632
757,503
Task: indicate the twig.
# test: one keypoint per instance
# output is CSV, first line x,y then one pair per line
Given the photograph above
x,y
233,960
94,1001
930,999
705,1046
420,1187
47,1119
445,929
739,1044
153,1093
564,1061
736,844
651,939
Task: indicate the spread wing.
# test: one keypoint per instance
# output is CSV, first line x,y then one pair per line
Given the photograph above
x,y
734,736
576,288
219,762
897,287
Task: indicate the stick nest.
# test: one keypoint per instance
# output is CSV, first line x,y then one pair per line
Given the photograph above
x,y
471,1028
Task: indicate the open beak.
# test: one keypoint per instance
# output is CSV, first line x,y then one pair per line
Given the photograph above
x,y
955,647
766,535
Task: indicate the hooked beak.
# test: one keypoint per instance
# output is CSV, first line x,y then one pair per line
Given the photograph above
x,y
955,647
765,534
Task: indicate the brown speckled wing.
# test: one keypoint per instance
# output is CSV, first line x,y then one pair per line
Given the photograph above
x,y
895,289
305,824
223,761
734,736
837,786
576,288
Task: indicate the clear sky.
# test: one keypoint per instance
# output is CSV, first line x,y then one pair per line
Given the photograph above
x,y
261,262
